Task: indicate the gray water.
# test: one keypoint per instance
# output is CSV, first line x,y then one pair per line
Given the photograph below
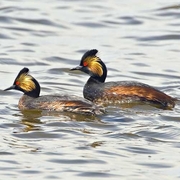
x,y
138,40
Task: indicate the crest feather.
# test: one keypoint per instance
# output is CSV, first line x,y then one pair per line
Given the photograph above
x,y
92,62
25,82
89,53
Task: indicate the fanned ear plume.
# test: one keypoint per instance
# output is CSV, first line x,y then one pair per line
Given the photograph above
x,y
94,65
24,80
91,61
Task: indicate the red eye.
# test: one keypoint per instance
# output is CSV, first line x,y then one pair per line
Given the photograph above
x,y
17,83
85,63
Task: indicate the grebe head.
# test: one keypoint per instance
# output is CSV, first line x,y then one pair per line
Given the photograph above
x,y
92,65
26,83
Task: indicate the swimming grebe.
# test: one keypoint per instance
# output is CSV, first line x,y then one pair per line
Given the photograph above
x,y
99,92
62,103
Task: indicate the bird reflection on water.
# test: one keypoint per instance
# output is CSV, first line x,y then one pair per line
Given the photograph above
x,y
34,119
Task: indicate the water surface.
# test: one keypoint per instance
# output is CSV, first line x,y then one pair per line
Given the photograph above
x,y
137,40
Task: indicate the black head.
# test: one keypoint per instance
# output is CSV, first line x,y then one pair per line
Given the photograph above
x,y
26,83
92,65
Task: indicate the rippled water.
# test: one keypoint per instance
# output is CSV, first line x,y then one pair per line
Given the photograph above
x,y
137,40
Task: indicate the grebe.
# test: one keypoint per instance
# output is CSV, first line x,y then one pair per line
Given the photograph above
x,y
63,103
106,93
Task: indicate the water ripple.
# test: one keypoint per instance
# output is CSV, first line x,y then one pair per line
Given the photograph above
x,y
127,142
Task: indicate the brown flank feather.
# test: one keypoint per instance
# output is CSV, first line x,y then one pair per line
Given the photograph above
x,y
148,93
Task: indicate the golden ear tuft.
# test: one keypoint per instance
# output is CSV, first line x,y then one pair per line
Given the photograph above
x,y
25,82
94,65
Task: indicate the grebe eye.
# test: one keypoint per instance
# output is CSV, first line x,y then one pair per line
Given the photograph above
x,y
17,83
85,63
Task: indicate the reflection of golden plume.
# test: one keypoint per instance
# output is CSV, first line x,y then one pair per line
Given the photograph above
x,y
94,65
25,82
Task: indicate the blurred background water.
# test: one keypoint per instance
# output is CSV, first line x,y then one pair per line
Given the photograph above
x,y
138,40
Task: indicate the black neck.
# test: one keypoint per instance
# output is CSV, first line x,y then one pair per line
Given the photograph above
x,y
97,79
